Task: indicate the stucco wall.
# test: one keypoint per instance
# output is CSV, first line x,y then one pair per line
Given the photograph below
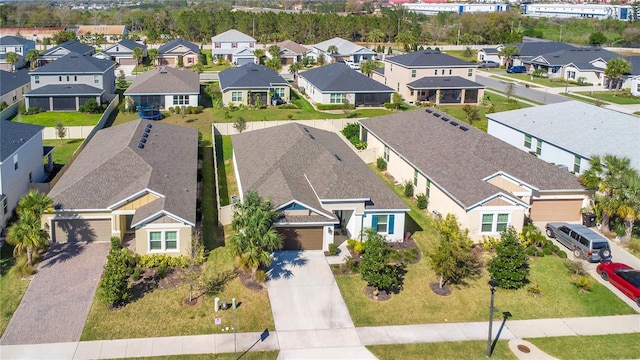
x,y
184,238
397,77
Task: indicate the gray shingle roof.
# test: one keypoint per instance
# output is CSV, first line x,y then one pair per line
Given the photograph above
x,y
444,82
345,47
168,48
285,163
71,46
69,89
74,63
580,57
490,51
129,44
583,128
232,35
427,58
165,80
13,135
635,64
527,49
340,77
250,76
112,167
13,80
9,40
458,161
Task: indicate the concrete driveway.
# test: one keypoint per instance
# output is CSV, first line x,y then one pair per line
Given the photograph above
x,y
57,302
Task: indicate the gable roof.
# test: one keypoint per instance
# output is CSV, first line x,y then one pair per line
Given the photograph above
x,y
490,50
635,64
345,47
232,35
13,80
582,58
340,77
13,135
101,29
70,46
165,80
459,161
111,168
171,45
75,63
129,44
306,164
250,76
427,58
584,129
292,46
10,40
535,48
65,89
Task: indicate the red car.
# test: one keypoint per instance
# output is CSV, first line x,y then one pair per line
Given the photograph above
x,y
623,277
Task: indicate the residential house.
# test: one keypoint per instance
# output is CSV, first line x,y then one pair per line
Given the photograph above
x,y
291,52
490,54
21,155
526,52
253,84
164,87
110,32
485,182
63,49
122,52
338,83
178,50
14,85
231,42
632,80
431,76
572,139
586,65
346,51
322,190
17,45
67,83
137,181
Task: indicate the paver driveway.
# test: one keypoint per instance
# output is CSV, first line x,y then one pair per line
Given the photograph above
x,y
57,302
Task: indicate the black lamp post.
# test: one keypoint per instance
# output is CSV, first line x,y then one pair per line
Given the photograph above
x,y
494,286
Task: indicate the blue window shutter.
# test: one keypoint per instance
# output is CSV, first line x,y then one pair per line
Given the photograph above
x,y
391,218
374,221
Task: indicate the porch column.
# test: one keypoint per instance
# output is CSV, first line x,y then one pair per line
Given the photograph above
x,y
50,103
463,95
77,103
438,97
50,162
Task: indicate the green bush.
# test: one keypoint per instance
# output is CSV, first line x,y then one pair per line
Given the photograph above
x,y
156,260
114,285
351,243
137,273
575,267
3,105
561,254
351,264
547,251
334,106
408,189
358,248
381,164
423,201
91,106
333,249
540,253
531,251
389,106
162,270
510,267
288,106
32,110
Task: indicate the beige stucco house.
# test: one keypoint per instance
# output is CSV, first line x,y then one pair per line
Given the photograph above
x,y
252,84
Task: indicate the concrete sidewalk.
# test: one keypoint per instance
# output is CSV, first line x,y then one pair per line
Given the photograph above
x,y
314,341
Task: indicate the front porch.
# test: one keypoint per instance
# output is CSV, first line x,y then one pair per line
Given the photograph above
x,y
445,90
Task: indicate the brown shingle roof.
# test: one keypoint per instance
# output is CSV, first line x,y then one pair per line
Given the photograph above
x,y
293,46
165,80
294,162
112,167
458,161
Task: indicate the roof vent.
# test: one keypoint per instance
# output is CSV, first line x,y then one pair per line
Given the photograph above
x,y
429,111
444,118
454,123
311,137
436,114
305,129
337,157
464,128
141,145
149,126
147,130
145,135
143,140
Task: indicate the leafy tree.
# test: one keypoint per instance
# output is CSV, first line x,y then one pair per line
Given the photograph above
x,y
61,131
368,67
509,267
137,54
321,59
472,112
121,81
616,67
452,260
627,203
180,61
274,51
12,58
32,57
597,38
196,257
375,268
62,36
114,284
198,67
91,106
406,39
375,36
294,69
35,203
255,236
397,100
240,124
152,55
259,54
510,88
508,52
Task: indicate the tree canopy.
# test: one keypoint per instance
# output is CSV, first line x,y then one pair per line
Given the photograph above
x,y
509,267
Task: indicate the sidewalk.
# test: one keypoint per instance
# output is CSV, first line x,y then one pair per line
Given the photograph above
x,y
372,335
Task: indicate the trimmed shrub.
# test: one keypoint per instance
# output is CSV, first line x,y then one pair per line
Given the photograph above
x,y
423,201
335,106
531,251
381,164
408,189
261,276
358,248
351,243
288,106
547,251
333,249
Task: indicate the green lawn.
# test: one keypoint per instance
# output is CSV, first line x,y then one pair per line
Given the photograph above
x,y
226,172
416,303
51,118
461,54
584,99
253,355
618,346
498,102
445,350
12,287
539,80
63,151
612,97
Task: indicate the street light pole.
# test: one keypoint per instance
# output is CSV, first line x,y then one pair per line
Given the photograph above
x,y
494,285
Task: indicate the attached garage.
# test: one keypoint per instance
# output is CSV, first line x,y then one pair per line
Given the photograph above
x,y
167,61
244,61
72,230
127,61
309,238
556,210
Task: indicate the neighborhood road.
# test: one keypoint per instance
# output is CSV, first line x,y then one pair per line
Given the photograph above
x,y
541,95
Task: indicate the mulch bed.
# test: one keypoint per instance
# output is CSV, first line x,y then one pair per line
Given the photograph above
x,y
445,290
382,294
249,282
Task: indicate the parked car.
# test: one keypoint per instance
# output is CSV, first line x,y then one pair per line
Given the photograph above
x,y
488,64
517,70
582,241
622,277
353,65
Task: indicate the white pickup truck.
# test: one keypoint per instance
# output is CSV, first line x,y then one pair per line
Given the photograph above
x,y
351,64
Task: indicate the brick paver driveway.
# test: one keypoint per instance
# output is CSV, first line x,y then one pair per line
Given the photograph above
x,y
57,302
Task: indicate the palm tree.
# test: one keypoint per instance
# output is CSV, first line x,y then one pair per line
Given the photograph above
x,y
152,54
274,64
617,67
375,36
367,67
508,52
12,58
32,56
259,54
627,201
332,49
406,39
294,69
34,202
27,235
137,54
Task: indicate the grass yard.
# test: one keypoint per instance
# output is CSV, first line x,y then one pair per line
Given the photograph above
x,y
51,118
446,350
498,102
418,304
227,181
141,318
589,100
253,355
612,97
539,80
12,286
62,151
618,346
462,54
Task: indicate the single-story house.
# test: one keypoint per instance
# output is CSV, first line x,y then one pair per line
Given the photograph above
x,y
164,87
122,52
14,85
137,181
246,84
570,140
322,190
176,49
632,80
335,83
580,64
231,43
63,49
291,52
526,52
346,51
485,182
110,32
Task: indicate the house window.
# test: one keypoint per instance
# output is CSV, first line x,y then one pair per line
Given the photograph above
x,y
60,78
442,73
539,147
251,45
163,240
75,78
576,164
236,96
180,99
189,60
15,162
398,87
493,223
386,154
571,75
428,189
30,177
96,79
413,73
435,72
336,98
470,72
415,177
5,206
527,141
390,67
450,71
67,78
382,223
217,45
37,79
234,45
3,50
411,92
279,92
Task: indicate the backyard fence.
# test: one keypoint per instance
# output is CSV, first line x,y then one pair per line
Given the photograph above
x,y
11,110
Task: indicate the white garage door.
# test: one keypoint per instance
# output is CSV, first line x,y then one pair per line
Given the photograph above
x,y
82,230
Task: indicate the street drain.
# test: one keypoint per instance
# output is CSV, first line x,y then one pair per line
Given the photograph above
x,y
524,349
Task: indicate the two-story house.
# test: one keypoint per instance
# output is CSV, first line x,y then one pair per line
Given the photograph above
x,y
17,45
70,81
177,50
233,46
63,49
431,76
122,52
14,85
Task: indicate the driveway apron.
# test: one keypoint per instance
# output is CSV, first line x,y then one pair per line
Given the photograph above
x,y
56,304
